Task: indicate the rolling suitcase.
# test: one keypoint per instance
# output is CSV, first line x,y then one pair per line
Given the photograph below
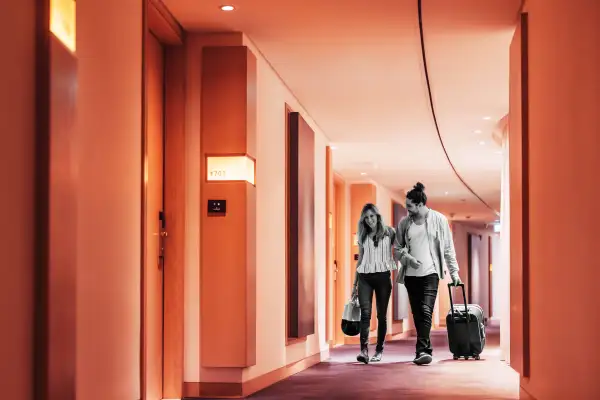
x,y
466,328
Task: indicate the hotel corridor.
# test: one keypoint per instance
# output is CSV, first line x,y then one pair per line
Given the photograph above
x,y
341,377
182,185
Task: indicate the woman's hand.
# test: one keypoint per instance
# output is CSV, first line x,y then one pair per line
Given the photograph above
x,y
354,294
398,252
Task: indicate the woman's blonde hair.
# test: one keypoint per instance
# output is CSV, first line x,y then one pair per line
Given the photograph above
x,y
364,229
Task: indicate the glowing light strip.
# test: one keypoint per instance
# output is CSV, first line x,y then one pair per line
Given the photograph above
x,y
62,22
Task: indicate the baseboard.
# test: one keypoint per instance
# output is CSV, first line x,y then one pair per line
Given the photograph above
x,y
404,335
372,338
524,394
239,390
397,327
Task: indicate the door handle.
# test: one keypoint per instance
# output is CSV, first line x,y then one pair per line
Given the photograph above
x,y
161,249
335,270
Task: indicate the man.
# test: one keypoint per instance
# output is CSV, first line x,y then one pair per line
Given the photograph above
x,y
423,243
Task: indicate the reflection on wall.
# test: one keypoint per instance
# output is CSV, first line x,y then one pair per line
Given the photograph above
x,y
60,284
478,283
400,295
301,301
504,276
495,272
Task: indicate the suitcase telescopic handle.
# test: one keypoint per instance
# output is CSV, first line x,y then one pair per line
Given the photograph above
x,y
462,285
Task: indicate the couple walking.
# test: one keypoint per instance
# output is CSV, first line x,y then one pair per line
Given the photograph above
x,y
422,241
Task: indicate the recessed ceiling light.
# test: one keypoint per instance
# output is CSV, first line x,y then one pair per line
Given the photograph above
x,y
227,8
478,131
446,193
487,118
363,173
333,147
482,143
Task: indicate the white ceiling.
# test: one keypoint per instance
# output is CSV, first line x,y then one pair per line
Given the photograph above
x,y
356,66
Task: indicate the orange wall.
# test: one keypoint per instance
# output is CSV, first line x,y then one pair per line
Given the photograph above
x,y
501,273
228,115
16,179
479,278
271,351
194,45
342,254
270,220
516,204
564,93
109,199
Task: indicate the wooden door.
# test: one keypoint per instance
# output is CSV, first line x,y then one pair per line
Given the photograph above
x,y
153,268
330,250
331,273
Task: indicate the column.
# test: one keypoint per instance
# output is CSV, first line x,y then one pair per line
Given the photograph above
x,y
228,209
109,149
561,99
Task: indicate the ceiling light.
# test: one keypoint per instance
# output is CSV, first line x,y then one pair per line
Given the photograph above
x,y
363,173
487,118
482,143
227,8
446,193
477,131
333,147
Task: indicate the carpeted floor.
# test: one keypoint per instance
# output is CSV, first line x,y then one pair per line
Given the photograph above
x,y
341,377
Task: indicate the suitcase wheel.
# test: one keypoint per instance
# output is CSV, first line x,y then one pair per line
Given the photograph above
x,y
466,357
455,357
477,357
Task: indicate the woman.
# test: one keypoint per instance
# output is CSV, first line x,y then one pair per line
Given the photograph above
x,y
373,274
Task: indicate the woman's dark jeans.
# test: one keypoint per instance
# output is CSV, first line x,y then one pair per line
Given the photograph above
x,y
381,284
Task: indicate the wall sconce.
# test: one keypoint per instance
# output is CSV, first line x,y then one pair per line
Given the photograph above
x,y
230,168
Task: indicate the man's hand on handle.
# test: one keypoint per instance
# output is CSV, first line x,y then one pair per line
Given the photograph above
x,y
456,280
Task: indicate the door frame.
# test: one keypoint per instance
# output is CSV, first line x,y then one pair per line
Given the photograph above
x,y
339,220
490,266
469,266
329,254
158,21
